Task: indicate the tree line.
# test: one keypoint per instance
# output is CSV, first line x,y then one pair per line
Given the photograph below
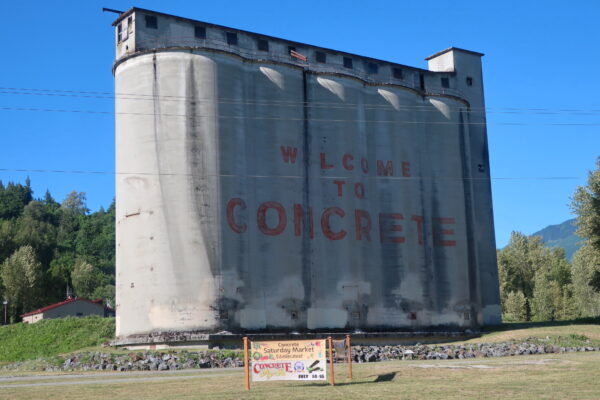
x,y
539,284
47,247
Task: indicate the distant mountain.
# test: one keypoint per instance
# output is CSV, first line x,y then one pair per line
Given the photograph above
x,y
561,235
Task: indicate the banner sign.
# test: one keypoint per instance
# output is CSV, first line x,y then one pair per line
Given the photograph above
x,y
296,360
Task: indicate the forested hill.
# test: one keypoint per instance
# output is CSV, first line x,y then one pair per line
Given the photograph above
x,y
46,245
561,235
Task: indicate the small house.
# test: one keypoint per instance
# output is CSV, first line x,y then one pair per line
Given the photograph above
x,y
72,307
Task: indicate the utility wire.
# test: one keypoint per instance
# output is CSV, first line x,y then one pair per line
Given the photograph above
x,y
245,117
405,178
151,97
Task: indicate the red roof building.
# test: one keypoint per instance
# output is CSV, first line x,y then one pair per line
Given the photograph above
x,y
72,307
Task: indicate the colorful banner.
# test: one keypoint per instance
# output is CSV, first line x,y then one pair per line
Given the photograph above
x,y
296,360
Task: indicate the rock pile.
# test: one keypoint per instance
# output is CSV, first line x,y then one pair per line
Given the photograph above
x,y
174,360
449,352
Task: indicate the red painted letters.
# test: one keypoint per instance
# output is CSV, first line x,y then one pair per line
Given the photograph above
x,y
231,204
386,224
261,217
289,154
325,226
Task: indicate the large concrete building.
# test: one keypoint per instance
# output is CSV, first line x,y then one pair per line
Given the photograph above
x,y
266,185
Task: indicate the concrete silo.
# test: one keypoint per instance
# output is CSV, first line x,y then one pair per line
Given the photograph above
x,y
266,185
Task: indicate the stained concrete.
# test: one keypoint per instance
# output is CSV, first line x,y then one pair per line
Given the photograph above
x,y
257,192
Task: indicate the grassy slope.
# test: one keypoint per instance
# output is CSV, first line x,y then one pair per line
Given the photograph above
x,y
50,338
508,332
47,338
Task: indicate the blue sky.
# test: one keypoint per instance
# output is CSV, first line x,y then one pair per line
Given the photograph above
x,y
540,72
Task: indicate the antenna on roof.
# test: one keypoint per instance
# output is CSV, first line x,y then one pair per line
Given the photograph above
x,y
104,9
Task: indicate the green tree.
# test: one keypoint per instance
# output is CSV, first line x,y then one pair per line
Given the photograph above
x,y
106,293
515,307
76,202
36,228
541,274
586,204
21,277
13,198
586,265
85,279
546,302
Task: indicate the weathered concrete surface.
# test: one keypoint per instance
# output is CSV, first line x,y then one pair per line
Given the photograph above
x,y
256,195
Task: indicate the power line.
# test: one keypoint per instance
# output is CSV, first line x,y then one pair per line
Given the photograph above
x,y
406,178
245,117
151,97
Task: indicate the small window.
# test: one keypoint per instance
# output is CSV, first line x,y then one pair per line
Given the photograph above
x,y
263,45
372,68
445,82
422,81
469,81
291,48
321,57
151,21
397,73
129,25
119,33
200,32
232,38
347,62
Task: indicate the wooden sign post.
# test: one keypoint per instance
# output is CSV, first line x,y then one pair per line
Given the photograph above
x,y
349,354
330,342
246,364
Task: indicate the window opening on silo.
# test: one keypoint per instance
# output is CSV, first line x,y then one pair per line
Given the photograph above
x,y
445,82
347,62
469,81
372,68
263,45
119,33
151,21
200,32
291,48
397,73
130,24
320,57
232,38
422,81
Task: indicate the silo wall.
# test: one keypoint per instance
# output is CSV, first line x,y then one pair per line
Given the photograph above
x,y
257,196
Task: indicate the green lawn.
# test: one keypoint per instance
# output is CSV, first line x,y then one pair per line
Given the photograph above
x,y
556,376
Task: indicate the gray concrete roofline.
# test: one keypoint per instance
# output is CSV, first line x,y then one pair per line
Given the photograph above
x,y
439,53
291,42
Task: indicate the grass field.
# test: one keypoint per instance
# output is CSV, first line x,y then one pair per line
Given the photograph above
x,y
564,376
549,376
49,338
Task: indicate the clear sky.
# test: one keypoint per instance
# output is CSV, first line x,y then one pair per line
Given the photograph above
x,y
540,74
